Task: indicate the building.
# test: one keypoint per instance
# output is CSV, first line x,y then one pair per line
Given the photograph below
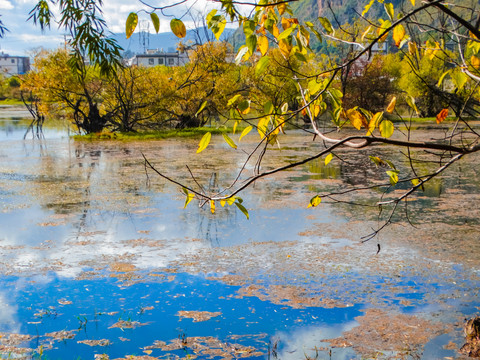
x,y
13,65
159,57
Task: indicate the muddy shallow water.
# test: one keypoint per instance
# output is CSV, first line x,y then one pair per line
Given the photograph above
x,y
98,259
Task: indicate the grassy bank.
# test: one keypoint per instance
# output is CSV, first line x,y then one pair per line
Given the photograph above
x,y
153,135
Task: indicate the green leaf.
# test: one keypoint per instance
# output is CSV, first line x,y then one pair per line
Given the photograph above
x,y
314,86
389,10
393,177
314,201
251,43
204,142
262,64
244,107
178,28
301,57
155,21
229,141
201,108
232,100
189,198
268,108
313,30
326,24
218,28
386,128
459,79
287,33
328,159
248,28
132,21
242,209
245,132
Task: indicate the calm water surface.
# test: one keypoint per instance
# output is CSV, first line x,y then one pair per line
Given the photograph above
x,y
99,259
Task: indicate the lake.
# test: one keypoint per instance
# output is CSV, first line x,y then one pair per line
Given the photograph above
x,y
100,260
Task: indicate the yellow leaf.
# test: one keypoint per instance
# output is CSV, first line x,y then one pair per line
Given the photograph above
x,y
367,7
275,32
178,28
442,115
132,21
155,21
262,126
262,43
389,10
223,202
204,142
415,182
412,48
281,8
386,128
392,104
235,126
413,2
393,177
245,132
212,206
374,121
189,197
285,23
285,47
328,159
398,34
229,141
357,119
366,32
475,61
315,201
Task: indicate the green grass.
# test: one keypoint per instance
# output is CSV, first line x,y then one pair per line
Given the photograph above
x,y
11,102
153,135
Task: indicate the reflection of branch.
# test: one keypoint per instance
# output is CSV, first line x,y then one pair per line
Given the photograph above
x,y
369,140
397,200
422,181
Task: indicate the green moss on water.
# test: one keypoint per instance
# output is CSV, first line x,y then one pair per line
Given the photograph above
x,y
152,135
11,102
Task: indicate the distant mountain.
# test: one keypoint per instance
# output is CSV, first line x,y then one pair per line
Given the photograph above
x,y
139,42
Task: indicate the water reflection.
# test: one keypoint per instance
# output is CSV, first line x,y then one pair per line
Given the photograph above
x,y
81,222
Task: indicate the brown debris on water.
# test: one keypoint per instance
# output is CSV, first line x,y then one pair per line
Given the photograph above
x,y
122,324
207,346
101,342
381,331
198,316
122,267
61,335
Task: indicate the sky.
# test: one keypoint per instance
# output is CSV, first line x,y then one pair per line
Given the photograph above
x,y
24,37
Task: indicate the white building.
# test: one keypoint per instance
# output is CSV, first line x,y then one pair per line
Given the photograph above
x,y
13,65
159,57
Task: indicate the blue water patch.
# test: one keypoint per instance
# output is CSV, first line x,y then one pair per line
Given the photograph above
x,y
43,306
